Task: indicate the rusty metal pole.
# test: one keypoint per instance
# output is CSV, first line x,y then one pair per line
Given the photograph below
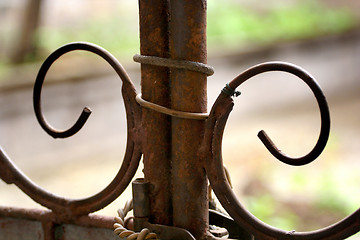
x,y
188,93
155,88
178,183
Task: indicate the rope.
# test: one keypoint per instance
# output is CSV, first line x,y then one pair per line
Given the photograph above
x,y
121,225
171,112
166,62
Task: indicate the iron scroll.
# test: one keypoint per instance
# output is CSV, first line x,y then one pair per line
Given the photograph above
x,y
321,100
211,154
71,208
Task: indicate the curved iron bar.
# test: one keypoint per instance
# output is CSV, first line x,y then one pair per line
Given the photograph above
x,y
210,154
321,100
41,77
70,208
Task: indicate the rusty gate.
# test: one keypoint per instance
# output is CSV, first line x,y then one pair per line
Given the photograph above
x,y
168,128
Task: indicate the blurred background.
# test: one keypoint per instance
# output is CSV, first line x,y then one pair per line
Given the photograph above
x,y
323,37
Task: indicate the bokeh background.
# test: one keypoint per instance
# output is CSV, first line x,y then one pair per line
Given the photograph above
x,y
322,37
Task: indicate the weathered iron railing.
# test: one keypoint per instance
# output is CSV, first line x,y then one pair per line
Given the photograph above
x,y
179,152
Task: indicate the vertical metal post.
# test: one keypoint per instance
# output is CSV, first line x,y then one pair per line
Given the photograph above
x,y
155,88
188,93
174,29
140,191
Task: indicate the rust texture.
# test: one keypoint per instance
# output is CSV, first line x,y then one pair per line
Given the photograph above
x,y
140,192
155,88
188,93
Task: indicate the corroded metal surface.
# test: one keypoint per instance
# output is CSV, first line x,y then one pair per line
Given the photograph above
x,y
188,93
155,88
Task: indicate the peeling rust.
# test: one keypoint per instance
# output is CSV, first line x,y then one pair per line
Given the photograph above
x,y
188,93
155,88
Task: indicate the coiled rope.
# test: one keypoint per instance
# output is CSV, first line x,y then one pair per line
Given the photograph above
x,y
121,225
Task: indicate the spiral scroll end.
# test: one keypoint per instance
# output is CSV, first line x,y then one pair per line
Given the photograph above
x,y
270,145
262,135
87,111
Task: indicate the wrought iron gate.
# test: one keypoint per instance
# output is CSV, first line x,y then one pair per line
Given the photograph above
x,y
179,142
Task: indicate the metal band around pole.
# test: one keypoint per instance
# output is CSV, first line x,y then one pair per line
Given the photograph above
x,y
171,112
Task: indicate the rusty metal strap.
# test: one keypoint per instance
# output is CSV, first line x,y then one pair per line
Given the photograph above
x,y
174,63
171,112
166,62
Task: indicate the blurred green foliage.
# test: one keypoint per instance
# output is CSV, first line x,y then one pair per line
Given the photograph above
x,y
3,68
230,24
315,197
112,33
234,25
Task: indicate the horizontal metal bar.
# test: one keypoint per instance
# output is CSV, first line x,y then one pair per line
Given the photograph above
x,y
91,220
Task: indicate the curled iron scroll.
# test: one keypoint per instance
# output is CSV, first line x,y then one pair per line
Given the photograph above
x,y
321,100
211,154
86,111
76,207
